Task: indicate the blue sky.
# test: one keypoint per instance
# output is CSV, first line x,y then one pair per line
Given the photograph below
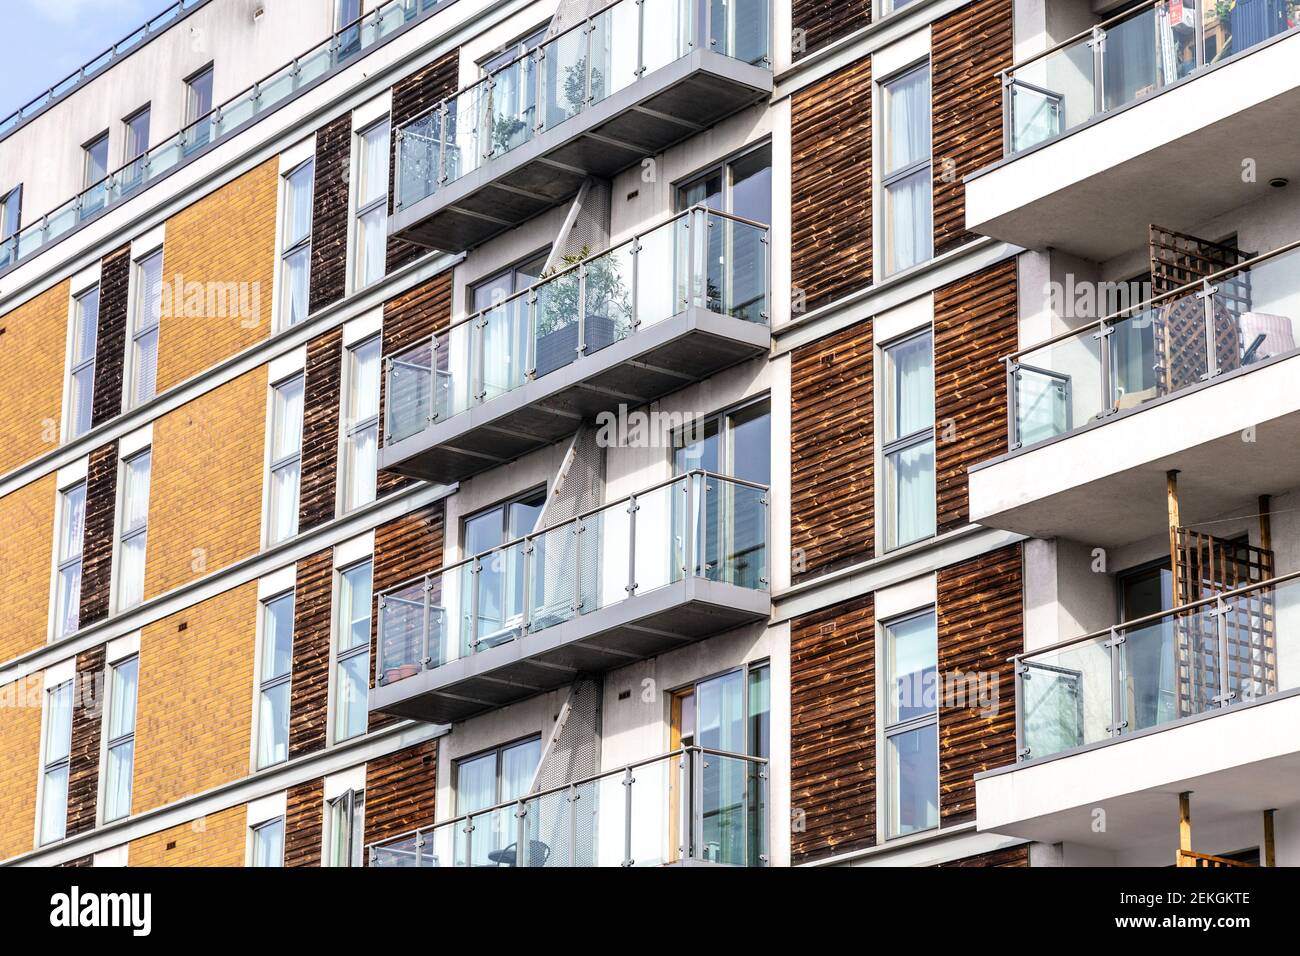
x,y
45,40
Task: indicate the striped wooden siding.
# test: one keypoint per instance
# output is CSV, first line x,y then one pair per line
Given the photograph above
x,y
1011,856
967,49
97,544
83,762
412,96
830,243
975,325
980,617
825,21
407,319
400,792
832,521
110,343
309,688
832,748
303,824
329,210
320,429
405,548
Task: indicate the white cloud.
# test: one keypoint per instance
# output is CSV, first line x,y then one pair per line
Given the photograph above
x,y
68,12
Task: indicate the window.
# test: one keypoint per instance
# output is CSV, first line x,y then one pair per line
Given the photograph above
x,y
737,443
344,817
911,725
908,438
123,687
11,215
514,51
514,91
72,528
96,163
135,529
908,234
286,458
273,676
54,763
741,186
346,12
488,779
295,257
137,144
352,670
268,843
144,333
361,424
500,600
372,205
496,289
85,337
198,95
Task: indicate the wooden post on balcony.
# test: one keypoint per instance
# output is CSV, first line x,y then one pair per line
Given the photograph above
x,y
1171,501
1184,827
1270,858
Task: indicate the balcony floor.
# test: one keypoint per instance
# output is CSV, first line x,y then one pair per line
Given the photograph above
x,y
1174,158
662,108
647,365
640,627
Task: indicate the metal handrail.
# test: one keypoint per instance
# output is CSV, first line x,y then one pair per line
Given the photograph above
x,y
624,770
626,499
1158,615
1081,35
1183,290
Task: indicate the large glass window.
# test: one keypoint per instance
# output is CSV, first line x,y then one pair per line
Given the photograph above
x,y
908,232
135,529
268,843
286,459
11,215
911,724
372,204
741,186
124,679
144,332
72,530
85,337
352,673
295,243
54,762
274,673
96,160
497,607
907,408
361,424
345,816
483,781
198,95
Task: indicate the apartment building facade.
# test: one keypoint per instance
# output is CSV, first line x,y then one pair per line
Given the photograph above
x,y
508,433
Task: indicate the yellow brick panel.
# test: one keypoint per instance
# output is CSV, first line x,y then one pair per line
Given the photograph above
x,y
32,353
218,839
218,267
26,564
195,704
205,497
20,744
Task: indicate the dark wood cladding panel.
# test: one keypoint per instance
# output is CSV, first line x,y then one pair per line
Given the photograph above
x,y
820,22
967,49
110,343
329,212
830,243
97,544
320,429
309,689
980,616
400,791
405,548
1011,856
303,824
832,521
975,327
407,319
412,96
832,748
83,762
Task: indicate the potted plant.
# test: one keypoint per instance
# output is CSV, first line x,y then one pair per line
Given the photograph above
x,y
608,312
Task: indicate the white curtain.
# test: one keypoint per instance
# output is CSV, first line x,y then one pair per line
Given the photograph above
x,y
907,142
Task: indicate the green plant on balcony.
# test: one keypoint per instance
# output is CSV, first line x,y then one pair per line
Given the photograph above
x,y
607,307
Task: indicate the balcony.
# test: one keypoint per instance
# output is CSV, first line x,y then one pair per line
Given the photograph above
x,y
659,312
1203,380
1204,698
693,806
674,564
635,78
1139,120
